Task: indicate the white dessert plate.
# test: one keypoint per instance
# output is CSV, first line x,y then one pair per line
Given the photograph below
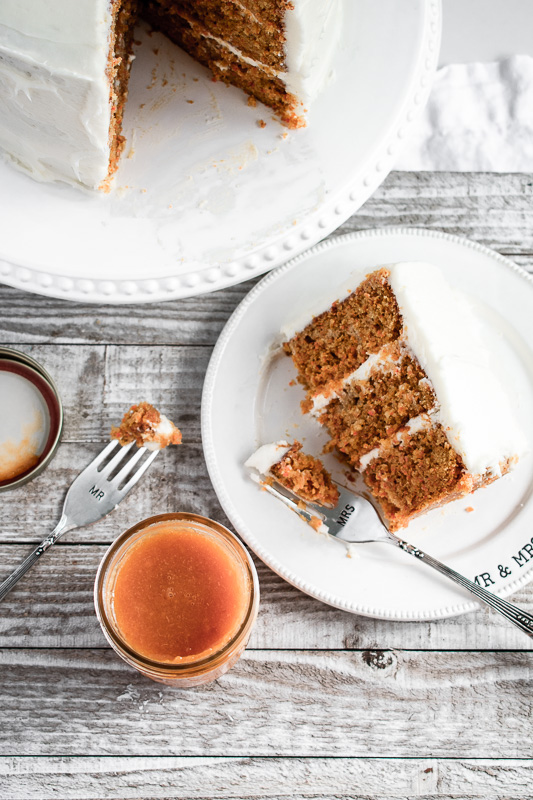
x,y
205,197
248,400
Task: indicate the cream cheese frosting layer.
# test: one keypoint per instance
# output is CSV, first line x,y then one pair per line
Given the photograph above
x,y
445,336
312,32
54,94
160,434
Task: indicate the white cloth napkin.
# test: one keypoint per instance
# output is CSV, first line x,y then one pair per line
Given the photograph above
x,y
479,118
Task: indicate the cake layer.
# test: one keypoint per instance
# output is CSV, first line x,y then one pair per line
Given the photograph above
x,y
373,407
339,340
118,72
273,11
253,36
414,472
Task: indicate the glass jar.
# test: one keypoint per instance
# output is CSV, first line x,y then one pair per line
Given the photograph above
x,y
190,671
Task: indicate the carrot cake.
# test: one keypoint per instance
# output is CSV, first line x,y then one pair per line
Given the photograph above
x,y
302,474
64,69
399,375
144,425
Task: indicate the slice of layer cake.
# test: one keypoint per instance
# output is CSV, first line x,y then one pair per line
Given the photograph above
x,y
302,474
398,374
64,69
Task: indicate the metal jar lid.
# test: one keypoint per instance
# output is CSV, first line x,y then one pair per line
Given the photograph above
x,y
28,368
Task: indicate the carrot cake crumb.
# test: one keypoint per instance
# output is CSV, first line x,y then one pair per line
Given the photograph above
x,y
302,474
144,425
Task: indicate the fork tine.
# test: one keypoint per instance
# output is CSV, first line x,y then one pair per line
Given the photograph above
x,y
127,467
140,472
102,455
312,515
117,458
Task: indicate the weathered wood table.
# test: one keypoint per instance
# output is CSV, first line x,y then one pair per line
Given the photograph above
x,y
323,704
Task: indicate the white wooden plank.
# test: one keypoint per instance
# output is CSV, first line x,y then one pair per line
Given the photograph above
x,y
496,210
272,703
139,778
194,320
52,606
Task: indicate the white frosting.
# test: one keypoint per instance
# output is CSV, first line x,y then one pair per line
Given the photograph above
x,y
160,434
312,32
266,456
445,336
365,460
272,71
54,94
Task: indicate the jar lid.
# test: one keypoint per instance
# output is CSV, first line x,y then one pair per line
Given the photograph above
x,y
31,418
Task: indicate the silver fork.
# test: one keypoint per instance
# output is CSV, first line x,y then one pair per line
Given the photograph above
x,y
95,492
355,520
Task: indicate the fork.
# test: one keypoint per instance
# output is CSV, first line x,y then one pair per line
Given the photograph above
x,y
95,492
355,520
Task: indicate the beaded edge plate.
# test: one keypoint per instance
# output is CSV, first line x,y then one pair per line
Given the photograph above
x,y
205,197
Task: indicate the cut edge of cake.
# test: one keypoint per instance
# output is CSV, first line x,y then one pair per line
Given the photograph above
x,y
124,15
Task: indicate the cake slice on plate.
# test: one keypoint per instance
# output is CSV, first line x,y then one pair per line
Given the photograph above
x,y
399,375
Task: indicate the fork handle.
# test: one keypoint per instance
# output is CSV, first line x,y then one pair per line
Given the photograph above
x,y
520,618
61,528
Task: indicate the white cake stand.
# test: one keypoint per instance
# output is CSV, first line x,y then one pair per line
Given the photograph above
x,y
205,197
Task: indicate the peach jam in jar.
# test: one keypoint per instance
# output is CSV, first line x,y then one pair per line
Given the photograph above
x,y
177,596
